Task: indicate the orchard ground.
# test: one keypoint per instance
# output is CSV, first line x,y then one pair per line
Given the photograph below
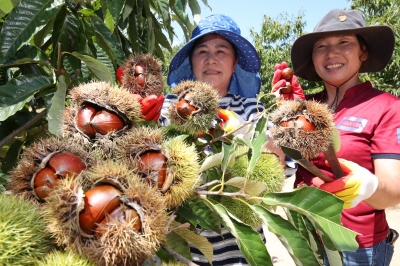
x,y
282,258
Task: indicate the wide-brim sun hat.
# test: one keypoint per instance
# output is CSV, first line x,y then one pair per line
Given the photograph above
x,y
245,81
380,42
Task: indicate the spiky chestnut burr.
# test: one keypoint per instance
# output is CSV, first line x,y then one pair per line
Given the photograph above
x,y
45,162
267,170
116,240
196,108
23,236
306,126
63,258
120,243
142,75
100,110
240,209
169,164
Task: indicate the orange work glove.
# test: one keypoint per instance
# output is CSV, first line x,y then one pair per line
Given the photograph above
x,y
359,184
231,121
151,106
285,84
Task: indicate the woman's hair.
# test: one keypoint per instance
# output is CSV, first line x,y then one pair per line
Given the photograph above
x,y
197,43
363,43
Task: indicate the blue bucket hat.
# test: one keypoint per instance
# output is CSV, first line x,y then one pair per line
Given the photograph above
x,y
245,81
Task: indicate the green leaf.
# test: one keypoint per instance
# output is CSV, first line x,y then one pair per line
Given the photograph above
x,y
178,244
249,241
12,156
26,55
196,10
297,247
6,112
7,6
115,8
253,188
324,211
27,18
107,16
97,68
57,107
108,42
180,9
211,161
105,60
198,212
198,241
66,33
258,143
21,87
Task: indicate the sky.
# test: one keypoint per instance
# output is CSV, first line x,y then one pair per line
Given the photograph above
x,y
249,13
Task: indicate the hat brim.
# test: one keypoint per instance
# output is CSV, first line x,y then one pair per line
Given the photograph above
x,y
380,41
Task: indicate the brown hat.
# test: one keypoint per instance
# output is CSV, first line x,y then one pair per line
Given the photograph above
x,y
380,42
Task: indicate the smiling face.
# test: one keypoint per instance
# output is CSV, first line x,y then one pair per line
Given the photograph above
x,y
337,58
213,61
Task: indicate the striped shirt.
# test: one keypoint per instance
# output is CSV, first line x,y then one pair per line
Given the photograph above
x,y
225,248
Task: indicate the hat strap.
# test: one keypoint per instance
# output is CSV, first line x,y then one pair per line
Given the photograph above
x,y
336,100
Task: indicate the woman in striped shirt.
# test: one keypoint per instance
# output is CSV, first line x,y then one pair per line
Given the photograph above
x,y
219,55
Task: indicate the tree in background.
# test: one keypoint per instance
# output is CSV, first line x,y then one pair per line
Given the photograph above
x,y
384,12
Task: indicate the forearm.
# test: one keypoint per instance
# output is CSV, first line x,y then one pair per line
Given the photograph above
x,y
387,194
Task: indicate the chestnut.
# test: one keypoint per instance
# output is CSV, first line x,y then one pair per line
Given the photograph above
x,y
287,74
58,166
44,181
121,213
99,201
140,74
105,121
156,163
140,68
84,118
299,122
287,88
184,109
64,163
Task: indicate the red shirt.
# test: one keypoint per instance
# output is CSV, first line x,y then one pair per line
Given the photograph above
x,y
369,124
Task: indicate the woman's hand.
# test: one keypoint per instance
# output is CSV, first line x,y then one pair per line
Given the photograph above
x,y
151,106
285,83
357,185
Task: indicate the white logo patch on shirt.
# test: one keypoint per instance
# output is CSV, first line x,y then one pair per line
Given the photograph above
x,y
353,124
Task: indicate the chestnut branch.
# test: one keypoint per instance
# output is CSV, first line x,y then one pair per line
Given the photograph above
x,y
230,194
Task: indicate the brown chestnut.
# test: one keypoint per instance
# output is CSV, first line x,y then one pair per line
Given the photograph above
x,y
287,89
84,118
304,124
287,74
58,166
105,121
44,181
184,109
156,163
140,69
121,213
64,163
299,122
99,201
140,80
